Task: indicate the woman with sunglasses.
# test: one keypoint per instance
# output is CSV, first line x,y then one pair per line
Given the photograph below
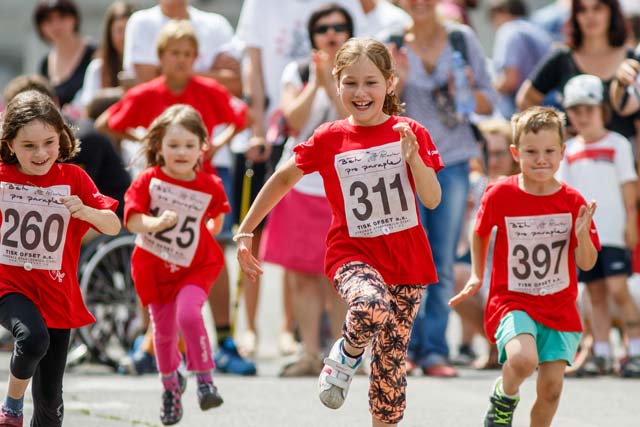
x,y
308,99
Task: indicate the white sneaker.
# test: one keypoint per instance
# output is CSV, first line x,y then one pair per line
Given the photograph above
x,y
336,375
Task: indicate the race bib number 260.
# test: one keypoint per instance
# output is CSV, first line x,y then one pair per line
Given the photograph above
x,y
378,198
34,225
539,253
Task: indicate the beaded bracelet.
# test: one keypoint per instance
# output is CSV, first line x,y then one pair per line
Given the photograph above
x,y
240,236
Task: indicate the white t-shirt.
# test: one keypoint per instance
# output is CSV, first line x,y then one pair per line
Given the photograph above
x,y
214,34
385,19
598,170
322,111
279,29
91,85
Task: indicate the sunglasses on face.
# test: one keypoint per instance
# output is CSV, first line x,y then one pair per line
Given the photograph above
x,y
338,28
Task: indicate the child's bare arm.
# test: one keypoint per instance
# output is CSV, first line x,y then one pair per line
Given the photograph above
x,y
275,188
427,185
479,249
629,195
141,223
104,220
586,253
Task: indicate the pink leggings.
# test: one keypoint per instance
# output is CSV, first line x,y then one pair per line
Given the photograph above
x,y
184,314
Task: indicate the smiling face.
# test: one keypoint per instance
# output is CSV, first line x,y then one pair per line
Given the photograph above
x,y
362,90
539,155
181,151
37,147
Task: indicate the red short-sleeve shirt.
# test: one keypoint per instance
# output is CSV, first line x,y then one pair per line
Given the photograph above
x,y
534,268
158,280
372,196
56,293
143,103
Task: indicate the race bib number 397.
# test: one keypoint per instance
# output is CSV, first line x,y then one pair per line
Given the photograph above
x,y
378,198
34,226
539,253
176,244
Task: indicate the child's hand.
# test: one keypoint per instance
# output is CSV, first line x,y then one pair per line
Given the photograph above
x,y
471,288
322,62
78,209
408,142
583,221
248,263
166,220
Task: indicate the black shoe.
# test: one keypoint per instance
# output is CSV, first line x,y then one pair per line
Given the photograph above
x,y
208,396
500,412
171,409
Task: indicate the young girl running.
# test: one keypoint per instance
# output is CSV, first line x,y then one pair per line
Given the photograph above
x,y
46,208
176,259
378,256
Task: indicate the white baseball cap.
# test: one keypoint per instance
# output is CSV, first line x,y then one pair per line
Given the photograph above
x,y
583,89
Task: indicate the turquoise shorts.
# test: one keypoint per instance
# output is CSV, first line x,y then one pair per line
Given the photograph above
x,y
552,345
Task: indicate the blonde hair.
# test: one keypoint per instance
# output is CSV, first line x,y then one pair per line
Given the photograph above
x,y
175,30
355,49
497,126
178,114
536,119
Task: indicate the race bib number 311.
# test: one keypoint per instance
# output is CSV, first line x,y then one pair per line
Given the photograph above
x,y
538,253
34,226
378,198
176,244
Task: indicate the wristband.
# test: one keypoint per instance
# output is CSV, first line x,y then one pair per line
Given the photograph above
x,y
240,236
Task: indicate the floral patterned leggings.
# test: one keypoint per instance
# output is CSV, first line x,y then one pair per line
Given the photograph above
x,y
381,315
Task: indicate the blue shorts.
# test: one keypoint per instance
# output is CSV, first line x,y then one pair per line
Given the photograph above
x,y
552,345
611,262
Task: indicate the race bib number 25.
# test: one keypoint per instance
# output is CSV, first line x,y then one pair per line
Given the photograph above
x,y
176,244
539,253
378,198
34,226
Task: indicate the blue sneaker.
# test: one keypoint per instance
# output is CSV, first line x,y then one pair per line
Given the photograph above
x,y
229,361
138,363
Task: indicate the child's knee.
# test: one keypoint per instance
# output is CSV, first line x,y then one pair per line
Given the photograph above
x,y
549,390
34,344
189,320
523,364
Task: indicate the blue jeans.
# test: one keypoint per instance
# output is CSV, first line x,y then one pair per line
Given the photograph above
x,y
428,345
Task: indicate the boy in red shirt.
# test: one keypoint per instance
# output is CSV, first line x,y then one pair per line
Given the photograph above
x,y
544,229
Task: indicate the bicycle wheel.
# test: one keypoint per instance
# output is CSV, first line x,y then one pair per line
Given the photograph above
x,y
108,291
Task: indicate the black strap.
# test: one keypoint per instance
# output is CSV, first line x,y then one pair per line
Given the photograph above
x,y
459,44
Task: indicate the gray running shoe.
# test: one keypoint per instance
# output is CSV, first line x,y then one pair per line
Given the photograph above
x,y
500,412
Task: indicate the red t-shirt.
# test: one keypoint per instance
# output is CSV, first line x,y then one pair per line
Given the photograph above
x,y
143,103
372,196
38,259
534,267
162,263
